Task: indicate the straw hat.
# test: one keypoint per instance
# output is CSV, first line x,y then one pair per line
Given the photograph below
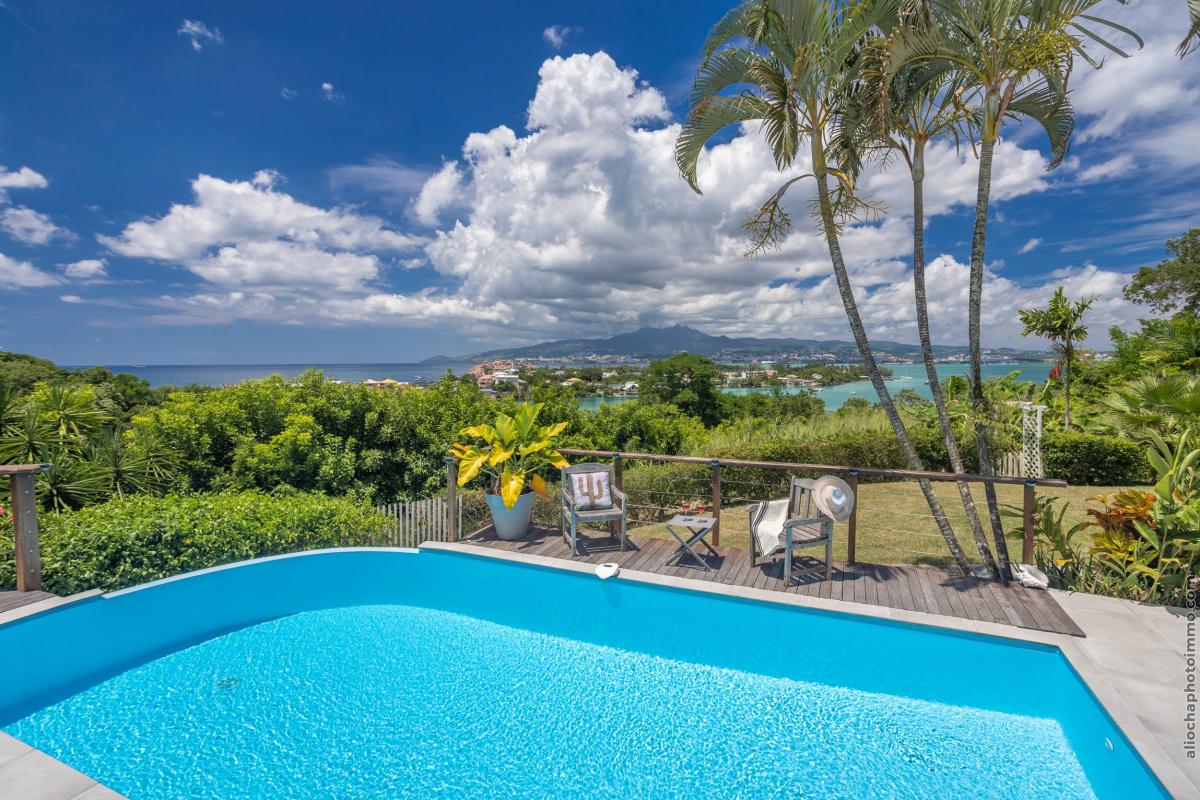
x,y
833,497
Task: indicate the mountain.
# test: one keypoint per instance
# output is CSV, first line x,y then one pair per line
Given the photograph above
x,y
651,343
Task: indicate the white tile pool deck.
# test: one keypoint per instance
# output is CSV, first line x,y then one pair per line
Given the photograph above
x,y
1132,658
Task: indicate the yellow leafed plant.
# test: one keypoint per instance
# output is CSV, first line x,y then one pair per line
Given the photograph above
x,y
511,451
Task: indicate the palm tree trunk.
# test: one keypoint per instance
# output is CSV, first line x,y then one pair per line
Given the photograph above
x,y
974,307
864,349
1069,355
935,386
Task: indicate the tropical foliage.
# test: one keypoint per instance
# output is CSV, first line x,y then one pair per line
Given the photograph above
x,y
511,451
1060,322
1144,545
128,541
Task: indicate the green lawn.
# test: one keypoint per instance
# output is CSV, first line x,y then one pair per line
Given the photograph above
x,y
895,526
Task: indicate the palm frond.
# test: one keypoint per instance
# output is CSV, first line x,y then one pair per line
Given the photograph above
x,y
1050,109
705,119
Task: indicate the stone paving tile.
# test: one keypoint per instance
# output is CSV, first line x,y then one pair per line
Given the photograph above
x,y
37,776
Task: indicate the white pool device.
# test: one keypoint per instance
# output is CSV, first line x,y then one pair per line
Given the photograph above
x,y
606,571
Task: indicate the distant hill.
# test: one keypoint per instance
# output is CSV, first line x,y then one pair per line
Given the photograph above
x,y
651,343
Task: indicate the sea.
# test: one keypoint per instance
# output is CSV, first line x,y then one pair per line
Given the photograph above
x,y
904,376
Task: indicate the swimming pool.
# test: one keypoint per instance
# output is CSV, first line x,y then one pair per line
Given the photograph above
x,y
384,673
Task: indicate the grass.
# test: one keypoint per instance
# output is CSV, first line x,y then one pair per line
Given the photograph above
x,y
895,526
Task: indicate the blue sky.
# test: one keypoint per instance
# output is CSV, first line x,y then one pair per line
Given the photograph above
x,y
258,182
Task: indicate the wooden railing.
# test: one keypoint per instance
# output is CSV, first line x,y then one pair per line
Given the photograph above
x,y
22,481
853,476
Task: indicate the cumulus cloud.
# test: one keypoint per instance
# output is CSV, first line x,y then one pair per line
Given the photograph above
x,y
23,178
16,274
29,226
439,192
262,254
331,94
580,225
88,269
556,35
200,34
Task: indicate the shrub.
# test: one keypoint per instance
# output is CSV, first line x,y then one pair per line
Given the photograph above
x,y
142,538
1094,459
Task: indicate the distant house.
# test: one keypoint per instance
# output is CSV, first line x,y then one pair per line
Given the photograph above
x,y
485,381
504,376
572,382
629,387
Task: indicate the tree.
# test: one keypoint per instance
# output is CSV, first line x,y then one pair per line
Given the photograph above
x,y
903,110
688,382
1060,322
1173,283
791,67
1013,59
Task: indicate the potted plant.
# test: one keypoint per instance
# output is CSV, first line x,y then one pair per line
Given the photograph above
x,y
510,452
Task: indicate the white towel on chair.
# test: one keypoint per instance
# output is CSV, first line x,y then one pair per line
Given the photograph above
x,y
768,526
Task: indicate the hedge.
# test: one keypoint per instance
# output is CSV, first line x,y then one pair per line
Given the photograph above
x,y
143,538
1091,459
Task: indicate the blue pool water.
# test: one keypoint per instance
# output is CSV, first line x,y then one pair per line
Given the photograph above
x,y
394,701
386,674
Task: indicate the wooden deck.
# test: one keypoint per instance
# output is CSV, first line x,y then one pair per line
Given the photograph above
x,y
924,589
14,600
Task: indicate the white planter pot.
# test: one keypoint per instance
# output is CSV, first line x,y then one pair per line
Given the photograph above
x,y
511,523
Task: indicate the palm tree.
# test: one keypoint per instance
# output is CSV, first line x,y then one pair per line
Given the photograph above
x,y
1060,322
903,111
1166,404
1191,42
792,64
1015,57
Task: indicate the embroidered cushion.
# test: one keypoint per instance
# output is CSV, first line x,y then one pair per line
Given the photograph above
x,y
591,490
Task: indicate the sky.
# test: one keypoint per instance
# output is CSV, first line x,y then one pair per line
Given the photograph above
x,y
271,182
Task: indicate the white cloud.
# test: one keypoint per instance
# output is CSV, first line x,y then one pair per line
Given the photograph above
x,y
200,34
1148,105
556,35
73,299
1117,167
88,269
396,183
288,94
29,226
23,275
439,192
249,234
331,94
1030,245
24,178
581,225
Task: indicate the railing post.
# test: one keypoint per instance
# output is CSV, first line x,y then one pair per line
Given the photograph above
x,y
716,501
451,500
852,523
619,481
1029,505
25,532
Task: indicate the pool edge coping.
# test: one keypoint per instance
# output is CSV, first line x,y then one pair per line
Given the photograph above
x,y
1169,774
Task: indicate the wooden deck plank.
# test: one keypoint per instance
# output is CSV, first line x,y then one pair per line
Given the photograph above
x,y
13,600
913,588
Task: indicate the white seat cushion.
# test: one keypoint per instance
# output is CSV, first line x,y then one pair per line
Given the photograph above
x,y
591,490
